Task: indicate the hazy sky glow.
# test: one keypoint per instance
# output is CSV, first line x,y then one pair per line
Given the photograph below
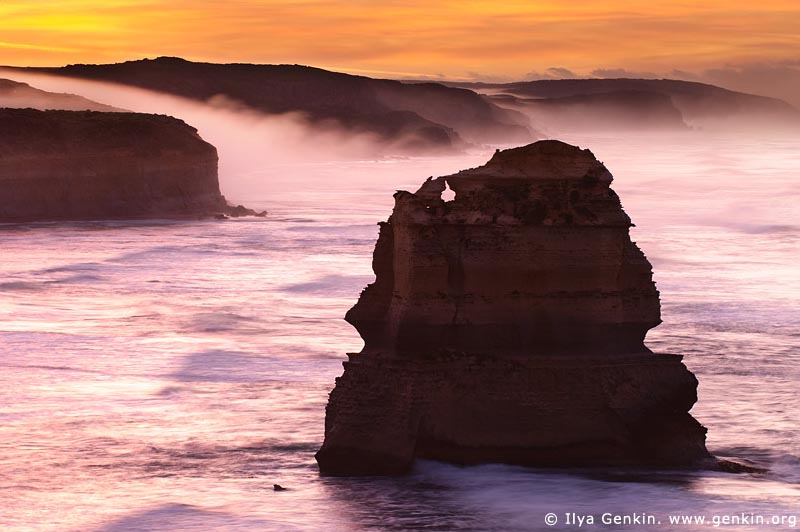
x,y
457,39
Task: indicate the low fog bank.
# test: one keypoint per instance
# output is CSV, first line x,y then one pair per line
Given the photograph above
x,y
283,162
626,113
643,113
248,142
411,118
558,106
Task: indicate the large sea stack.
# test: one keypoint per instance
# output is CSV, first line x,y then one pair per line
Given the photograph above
x,y
78,165
508,325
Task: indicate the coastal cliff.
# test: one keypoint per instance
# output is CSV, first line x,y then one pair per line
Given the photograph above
x,y
508,325
77,165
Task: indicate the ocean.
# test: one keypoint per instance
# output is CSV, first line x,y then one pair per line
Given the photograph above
x,y
163,375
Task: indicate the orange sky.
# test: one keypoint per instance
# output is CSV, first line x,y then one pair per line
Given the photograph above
x,y
456,39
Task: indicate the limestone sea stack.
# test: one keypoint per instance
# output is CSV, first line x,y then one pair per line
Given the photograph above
x,y
508,325
79,165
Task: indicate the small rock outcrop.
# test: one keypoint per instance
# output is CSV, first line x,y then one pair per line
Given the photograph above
x,y
80,165
508,325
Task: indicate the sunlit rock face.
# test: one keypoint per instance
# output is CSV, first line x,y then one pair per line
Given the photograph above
x,y
507,326
58,165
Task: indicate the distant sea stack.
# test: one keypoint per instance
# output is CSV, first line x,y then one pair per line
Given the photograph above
x,y
507,325
79,165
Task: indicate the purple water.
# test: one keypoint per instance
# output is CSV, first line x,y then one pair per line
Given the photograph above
x,y
162,376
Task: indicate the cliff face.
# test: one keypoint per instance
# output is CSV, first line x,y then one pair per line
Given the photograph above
x,y
84,165
507,325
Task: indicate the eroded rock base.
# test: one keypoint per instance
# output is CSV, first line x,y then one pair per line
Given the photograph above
x,y
543,411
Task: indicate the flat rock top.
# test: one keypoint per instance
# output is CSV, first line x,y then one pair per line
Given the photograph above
x,y
32,132
543,160
544,183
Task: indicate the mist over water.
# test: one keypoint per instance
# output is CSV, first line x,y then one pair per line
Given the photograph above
x,y
164,375
247,140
